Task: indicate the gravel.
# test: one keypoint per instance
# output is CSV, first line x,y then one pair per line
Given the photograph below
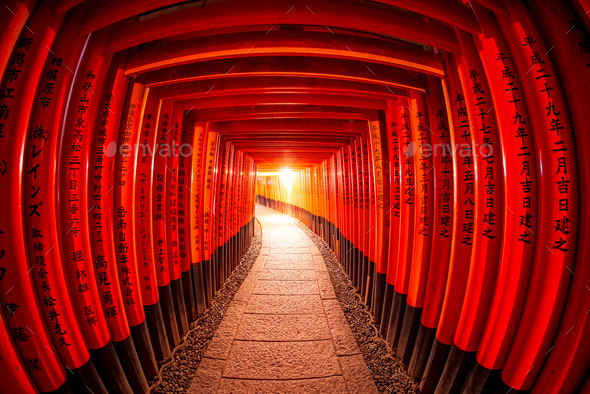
x,y
389,373
177,372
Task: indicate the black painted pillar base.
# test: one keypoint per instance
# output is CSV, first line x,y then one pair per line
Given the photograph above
x,y
131,365
378,296
398,305
169,315
208,281
177,290
145,351
189,295
386,309
157,330
455,372
109,368
476,379
408,333
84,376
369,291
437,359
199,286
421,350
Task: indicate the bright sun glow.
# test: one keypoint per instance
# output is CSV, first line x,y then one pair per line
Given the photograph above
x,y
287,177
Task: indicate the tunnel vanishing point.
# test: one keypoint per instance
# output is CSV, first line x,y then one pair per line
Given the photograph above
x,y
436,147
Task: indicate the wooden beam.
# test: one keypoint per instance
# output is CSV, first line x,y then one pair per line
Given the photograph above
x,y
382,21
283,99
275,84
292,66
286,43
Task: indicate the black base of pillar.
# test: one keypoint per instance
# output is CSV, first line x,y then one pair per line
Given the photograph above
x,y
159,338
109,368
145,351
455,372
437,359
189,295
81,378
199,287
386,310
408,333
378,296
177,290
421,350
396,318
131,365
167,305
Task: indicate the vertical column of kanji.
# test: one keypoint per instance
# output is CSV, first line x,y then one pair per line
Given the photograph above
x,y
463,225
364,172
160,197
393,214
243,198
75,153
222,209
238,203
39,182
520,205
373,235
420,261
343,208
558,200
337,205
17,99
441,228
325,200
404,258
229,233
354,195
123,212
207,189
101,198
185,151
173,252
12,22
360,184
251,176
488,221
380,165
147,150
214,212
196,214
568,361
235,218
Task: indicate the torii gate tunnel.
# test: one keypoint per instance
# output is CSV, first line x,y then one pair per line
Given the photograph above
x,y
437,146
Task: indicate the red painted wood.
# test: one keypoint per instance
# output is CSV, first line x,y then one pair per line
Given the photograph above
x,y
423,203
556,245
33,343
144,187
443,201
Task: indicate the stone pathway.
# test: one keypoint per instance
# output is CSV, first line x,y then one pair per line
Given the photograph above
x,y
284,331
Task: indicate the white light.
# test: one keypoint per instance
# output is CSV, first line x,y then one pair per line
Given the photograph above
x,y
287,177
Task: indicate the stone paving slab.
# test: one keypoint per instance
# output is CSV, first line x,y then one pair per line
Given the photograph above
x,y
283,328
304,257
290,265
331,384
286,287
268,274
281,360
284,331
285,304
357,375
